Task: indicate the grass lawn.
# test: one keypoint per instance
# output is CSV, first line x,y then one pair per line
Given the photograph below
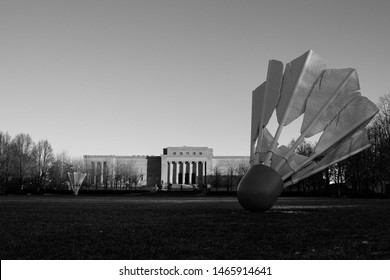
x,y
191,226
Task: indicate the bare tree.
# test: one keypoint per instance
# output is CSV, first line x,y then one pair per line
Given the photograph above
x,y
43,158
311,183
23,146
242,168
304,149
58,170
369,170
78,164
381,132
231,169
216,177
5,160
126,174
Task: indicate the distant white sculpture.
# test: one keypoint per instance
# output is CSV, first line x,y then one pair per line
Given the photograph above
x,y
331,104
76,179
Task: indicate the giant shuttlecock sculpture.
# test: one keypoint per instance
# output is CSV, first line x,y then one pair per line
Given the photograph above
x,y
330,102
76,179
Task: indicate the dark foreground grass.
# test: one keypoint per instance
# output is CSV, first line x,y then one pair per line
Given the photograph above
x,y
191,227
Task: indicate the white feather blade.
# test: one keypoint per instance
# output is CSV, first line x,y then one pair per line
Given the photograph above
x,y
257,97
264,146
287,167
272,89
355,116
322,92
278,158
265,99
298,79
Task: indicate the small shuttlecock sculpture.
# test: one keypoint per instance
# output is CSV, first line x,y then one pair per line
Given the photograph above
x,y
330,102
76,179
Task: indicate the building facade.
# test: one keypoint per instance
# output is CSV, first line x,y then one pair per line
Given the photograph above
x,y
176,165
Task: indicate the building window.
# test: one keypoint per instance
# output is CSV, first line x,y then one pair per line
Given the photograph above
x,y
174,153
181,153
194,153
200,153
188,153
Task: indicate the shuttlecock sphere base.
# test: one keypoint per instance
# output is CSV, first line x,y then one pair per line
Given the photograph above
x,y
259,188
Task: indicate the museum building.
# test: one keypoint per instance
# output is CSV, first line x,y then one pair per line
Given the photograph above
x,y
176,165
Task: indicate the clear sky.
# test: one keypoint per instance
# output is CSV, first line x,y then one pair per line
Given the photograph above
x,y
132,77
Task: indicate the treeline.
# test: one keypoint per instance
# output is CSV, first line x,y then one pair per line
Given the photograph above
x,y
30,167
26,166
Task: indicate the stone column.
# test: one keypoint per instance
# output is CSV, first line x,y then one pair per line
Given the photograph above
x,y
190,175
170,172
183,174
196,172
167,174
164,172
166,181
200,172
177,172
